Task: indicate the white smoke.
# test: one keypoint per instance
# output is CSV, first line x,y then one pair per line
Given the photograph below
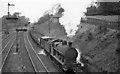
x,y
74,10
42,52
79,57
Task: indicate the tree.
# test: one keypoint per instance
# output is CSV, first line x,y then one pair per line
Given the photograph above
x,y
44,18
56,9
4,21
16,14
23,20
104,8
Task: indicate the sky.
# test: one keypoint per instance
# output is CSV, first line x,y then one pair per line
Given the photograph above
x,y
30,8
34,9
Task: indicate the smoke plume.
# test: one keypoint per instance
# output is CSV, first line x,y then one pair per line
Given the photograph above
x,y
74,10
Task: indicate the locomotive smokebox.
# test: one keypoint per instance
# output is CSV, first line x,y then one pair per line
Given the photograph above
x,y
71,54
68,52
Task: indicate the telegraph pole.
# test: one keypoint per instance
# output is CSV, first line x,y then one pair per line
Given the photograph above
x,y
17,30
16,18
8,10
7,32
49,27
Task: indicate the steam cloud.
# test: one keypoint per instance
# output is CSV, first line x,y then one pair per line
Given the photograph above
x,y
74,10
42,52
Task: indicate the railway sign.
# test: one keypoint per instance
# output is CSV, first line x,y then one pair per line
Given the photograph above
x,y
11,4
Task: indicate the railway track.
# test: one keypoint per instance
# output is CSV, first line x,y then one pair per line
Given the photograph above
x,y
5,38
35,59
5,46
6,53
7,41
30,57
14,60
51,66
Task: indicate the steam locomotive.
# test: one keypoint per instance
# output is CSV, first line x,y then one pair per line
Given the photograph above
x,y
60,51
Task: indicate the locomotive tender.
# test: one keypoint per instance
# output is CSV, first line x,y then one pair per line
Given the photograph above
x,y
61,51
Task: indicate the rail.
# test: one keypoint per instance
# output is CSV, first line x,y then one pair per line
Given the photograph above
x,y
38,56
7,55
30,57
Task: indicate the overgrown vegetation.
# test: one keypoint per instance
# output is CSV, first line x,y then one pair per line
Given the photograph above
x,y
7,24
99,47
44,18
104,8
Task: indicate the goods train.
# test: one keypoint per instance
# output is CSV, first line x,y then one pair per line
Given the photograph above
x,y
60,51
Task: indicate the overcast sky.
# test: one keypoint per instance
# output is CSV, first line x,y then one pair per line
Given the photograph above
x,y
34,9
30,8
